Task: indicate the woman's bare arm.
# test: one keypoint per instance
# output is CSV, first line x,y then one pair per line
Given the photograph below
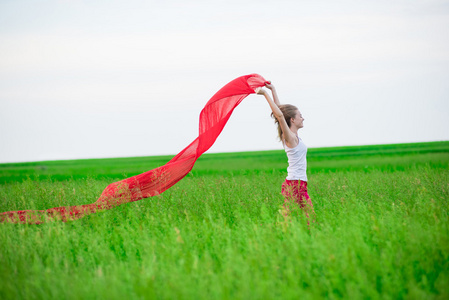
x,y
273,91
274,107
288,135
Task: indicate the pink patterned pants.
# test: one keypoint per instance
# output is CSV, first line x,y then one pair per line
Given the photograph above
x,y
296,191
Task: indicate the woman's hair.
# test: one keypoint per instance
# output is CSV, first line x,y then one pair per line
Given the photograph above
x,y
289,112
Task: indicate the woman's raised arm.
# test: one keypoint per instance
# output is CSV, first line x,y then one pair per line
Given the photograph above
x,y
287,134
273,91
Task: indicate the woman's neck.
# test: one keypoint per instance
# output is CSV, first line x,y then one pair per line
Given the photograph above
x,y
294,130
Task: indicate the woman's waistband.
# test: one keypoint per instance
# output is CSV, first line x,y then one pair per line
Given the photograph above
x,y
298,181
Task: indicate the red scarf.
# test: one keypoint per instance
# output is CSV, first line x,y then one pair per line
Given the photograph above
x,y
213,118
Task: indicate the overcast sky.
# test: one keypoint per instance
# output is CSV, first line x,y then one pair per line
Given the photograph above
x,y
91,79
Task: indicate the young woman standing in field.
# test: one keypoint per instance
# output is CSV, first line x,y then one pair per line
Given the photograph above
x,y
289,120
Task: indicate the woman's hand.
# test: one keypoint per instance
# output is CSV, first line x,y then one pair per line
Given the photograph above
x,y
260,91
269,85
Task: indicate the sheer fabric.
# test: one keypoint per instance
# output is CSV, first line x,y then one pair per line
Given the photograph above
x,y
213,118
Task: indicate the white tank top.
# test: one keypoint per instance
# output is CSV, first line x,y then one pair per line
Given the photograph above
x,y
297,161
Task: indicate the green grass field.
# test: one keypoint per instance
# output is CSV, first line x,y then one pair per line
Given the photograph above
x,y
382,229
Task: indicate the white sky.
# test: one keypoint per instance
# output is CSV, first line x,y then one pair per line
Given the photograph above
x,y
88,79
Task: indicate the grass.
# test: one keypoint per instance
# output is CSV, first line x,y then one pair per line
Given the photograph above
x,y
381,232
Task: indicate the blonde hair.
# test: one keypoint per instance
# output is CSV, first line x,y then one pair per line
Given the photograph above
x,y
289,111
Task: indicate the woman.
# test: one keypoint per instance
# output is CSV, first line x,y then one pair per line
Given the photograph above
x,y
289,120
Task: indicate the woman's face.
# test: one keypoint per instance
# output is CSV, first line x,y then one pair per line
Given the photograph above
x,y
298,120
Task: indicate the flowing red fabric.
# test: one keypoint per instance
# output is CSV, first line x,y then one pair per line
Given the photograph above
x,y
213,118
